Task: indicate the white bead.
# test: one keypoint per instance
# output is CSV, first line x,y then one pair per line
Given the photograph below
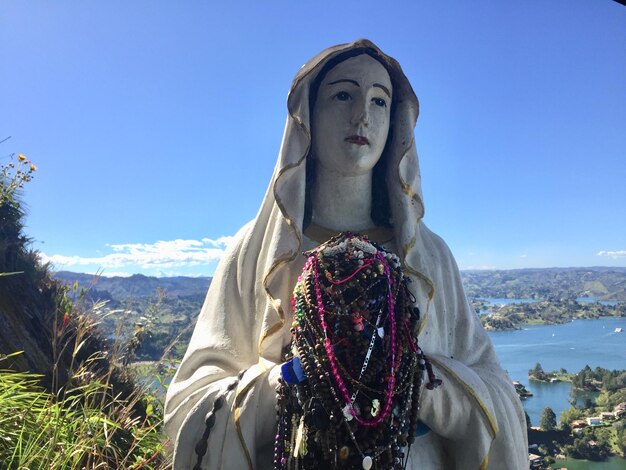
x,y
367,462
347,413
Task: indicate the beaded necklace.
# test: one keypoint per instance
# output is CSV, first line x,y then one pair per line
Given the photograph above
x,y
349,392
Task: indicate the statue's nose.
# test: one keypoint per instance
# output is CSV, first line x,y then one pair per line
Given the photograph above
x,y
360,114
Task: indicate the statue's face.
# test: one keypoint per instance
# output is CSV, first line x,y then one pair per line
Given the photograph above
x,y
351,116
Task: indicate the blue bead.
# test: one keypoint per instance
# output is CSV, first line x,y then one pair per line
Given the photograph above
x,y
292,371
421,429
298,370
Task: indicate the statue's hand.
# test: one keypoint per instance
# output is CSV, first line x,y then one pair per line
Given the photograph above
x,y
447,409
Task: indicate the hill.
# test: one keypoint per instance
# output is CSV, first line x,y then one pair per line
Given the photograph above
x,y
136,286
159,312
601,283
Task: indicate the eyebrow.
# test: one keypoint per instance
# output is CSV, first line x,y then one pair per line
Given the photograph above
x,y
354,82
384,88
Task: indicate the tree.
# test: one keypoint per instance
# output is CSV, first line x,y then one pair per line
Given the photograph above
x,y
620,430
571,414
547,419
537,372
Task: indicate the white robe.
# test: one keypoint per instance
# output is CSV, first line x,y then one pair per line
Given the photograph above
x,y
476,418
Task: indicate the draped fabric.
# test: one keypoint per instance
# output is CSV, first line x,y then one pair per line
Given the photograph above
x,y
476,418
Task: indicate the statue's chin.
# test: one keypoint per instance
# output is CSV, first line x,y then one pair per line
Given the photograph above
x,y
353,161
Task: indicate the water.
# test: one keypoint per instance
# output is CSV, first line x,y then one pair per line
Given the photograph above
x,y
613,463
570,346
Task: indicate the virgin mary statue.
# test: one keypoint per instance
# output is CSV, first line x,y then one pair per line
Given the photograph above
x,y
347,163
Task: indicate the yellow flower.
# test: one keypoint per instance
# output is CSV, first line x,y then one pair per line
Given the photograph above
x,y
22,158
33,167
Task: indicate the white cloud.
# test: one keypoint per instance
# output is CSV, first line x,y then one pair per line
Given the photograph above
x,y
159,255
478,268
613,254
105,273
224,241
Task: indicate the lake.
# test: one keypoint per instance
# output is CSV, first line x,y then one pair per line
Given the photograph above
x,y
613,463
571,346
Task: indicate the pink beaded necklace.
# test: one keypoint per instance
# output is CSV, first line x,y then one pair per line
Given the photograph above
x,y
391,377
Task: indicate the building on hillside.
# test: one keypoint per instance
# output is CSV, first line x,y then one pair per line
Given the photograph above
x,y
607,416
578,424
594,421
536,461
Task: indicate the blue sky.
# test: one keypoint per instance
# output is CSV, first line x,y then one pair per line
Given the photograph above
x,y
156,125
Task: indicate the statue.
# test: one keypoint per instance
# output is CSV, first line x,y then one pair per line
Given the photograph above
x,y
347,163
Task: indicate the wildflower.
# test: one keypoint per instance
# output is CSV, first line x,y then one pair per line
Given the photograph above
x,y
33,167
66,320
22,158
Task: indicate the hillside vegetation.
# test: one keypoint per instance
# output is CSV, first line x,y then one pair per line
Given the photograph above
x,y
67,398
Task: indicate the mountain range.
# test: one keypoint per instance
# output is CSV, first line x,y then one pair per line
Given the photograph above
x,y
136,286
601,283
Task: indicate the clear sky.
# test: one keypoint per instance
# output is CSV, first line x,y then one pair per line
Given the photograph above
x,y
156,124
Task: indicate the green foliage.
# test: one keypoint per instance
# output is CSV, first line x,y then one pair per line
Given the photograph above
x,y
615,398
92,415
537,372
571,414
84,424
620,436
591,444
596,442
547,420
599,379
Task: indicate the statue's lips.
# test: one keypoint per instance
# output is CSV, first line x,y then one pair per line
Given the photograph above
x,y
357,139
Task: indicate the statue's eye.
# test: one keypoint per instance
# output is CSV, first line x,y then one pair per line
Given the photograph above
x,y
379,102
343,96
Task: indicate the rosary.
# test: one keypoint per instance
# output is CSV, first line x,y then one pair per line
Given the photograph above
x,y
349,391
